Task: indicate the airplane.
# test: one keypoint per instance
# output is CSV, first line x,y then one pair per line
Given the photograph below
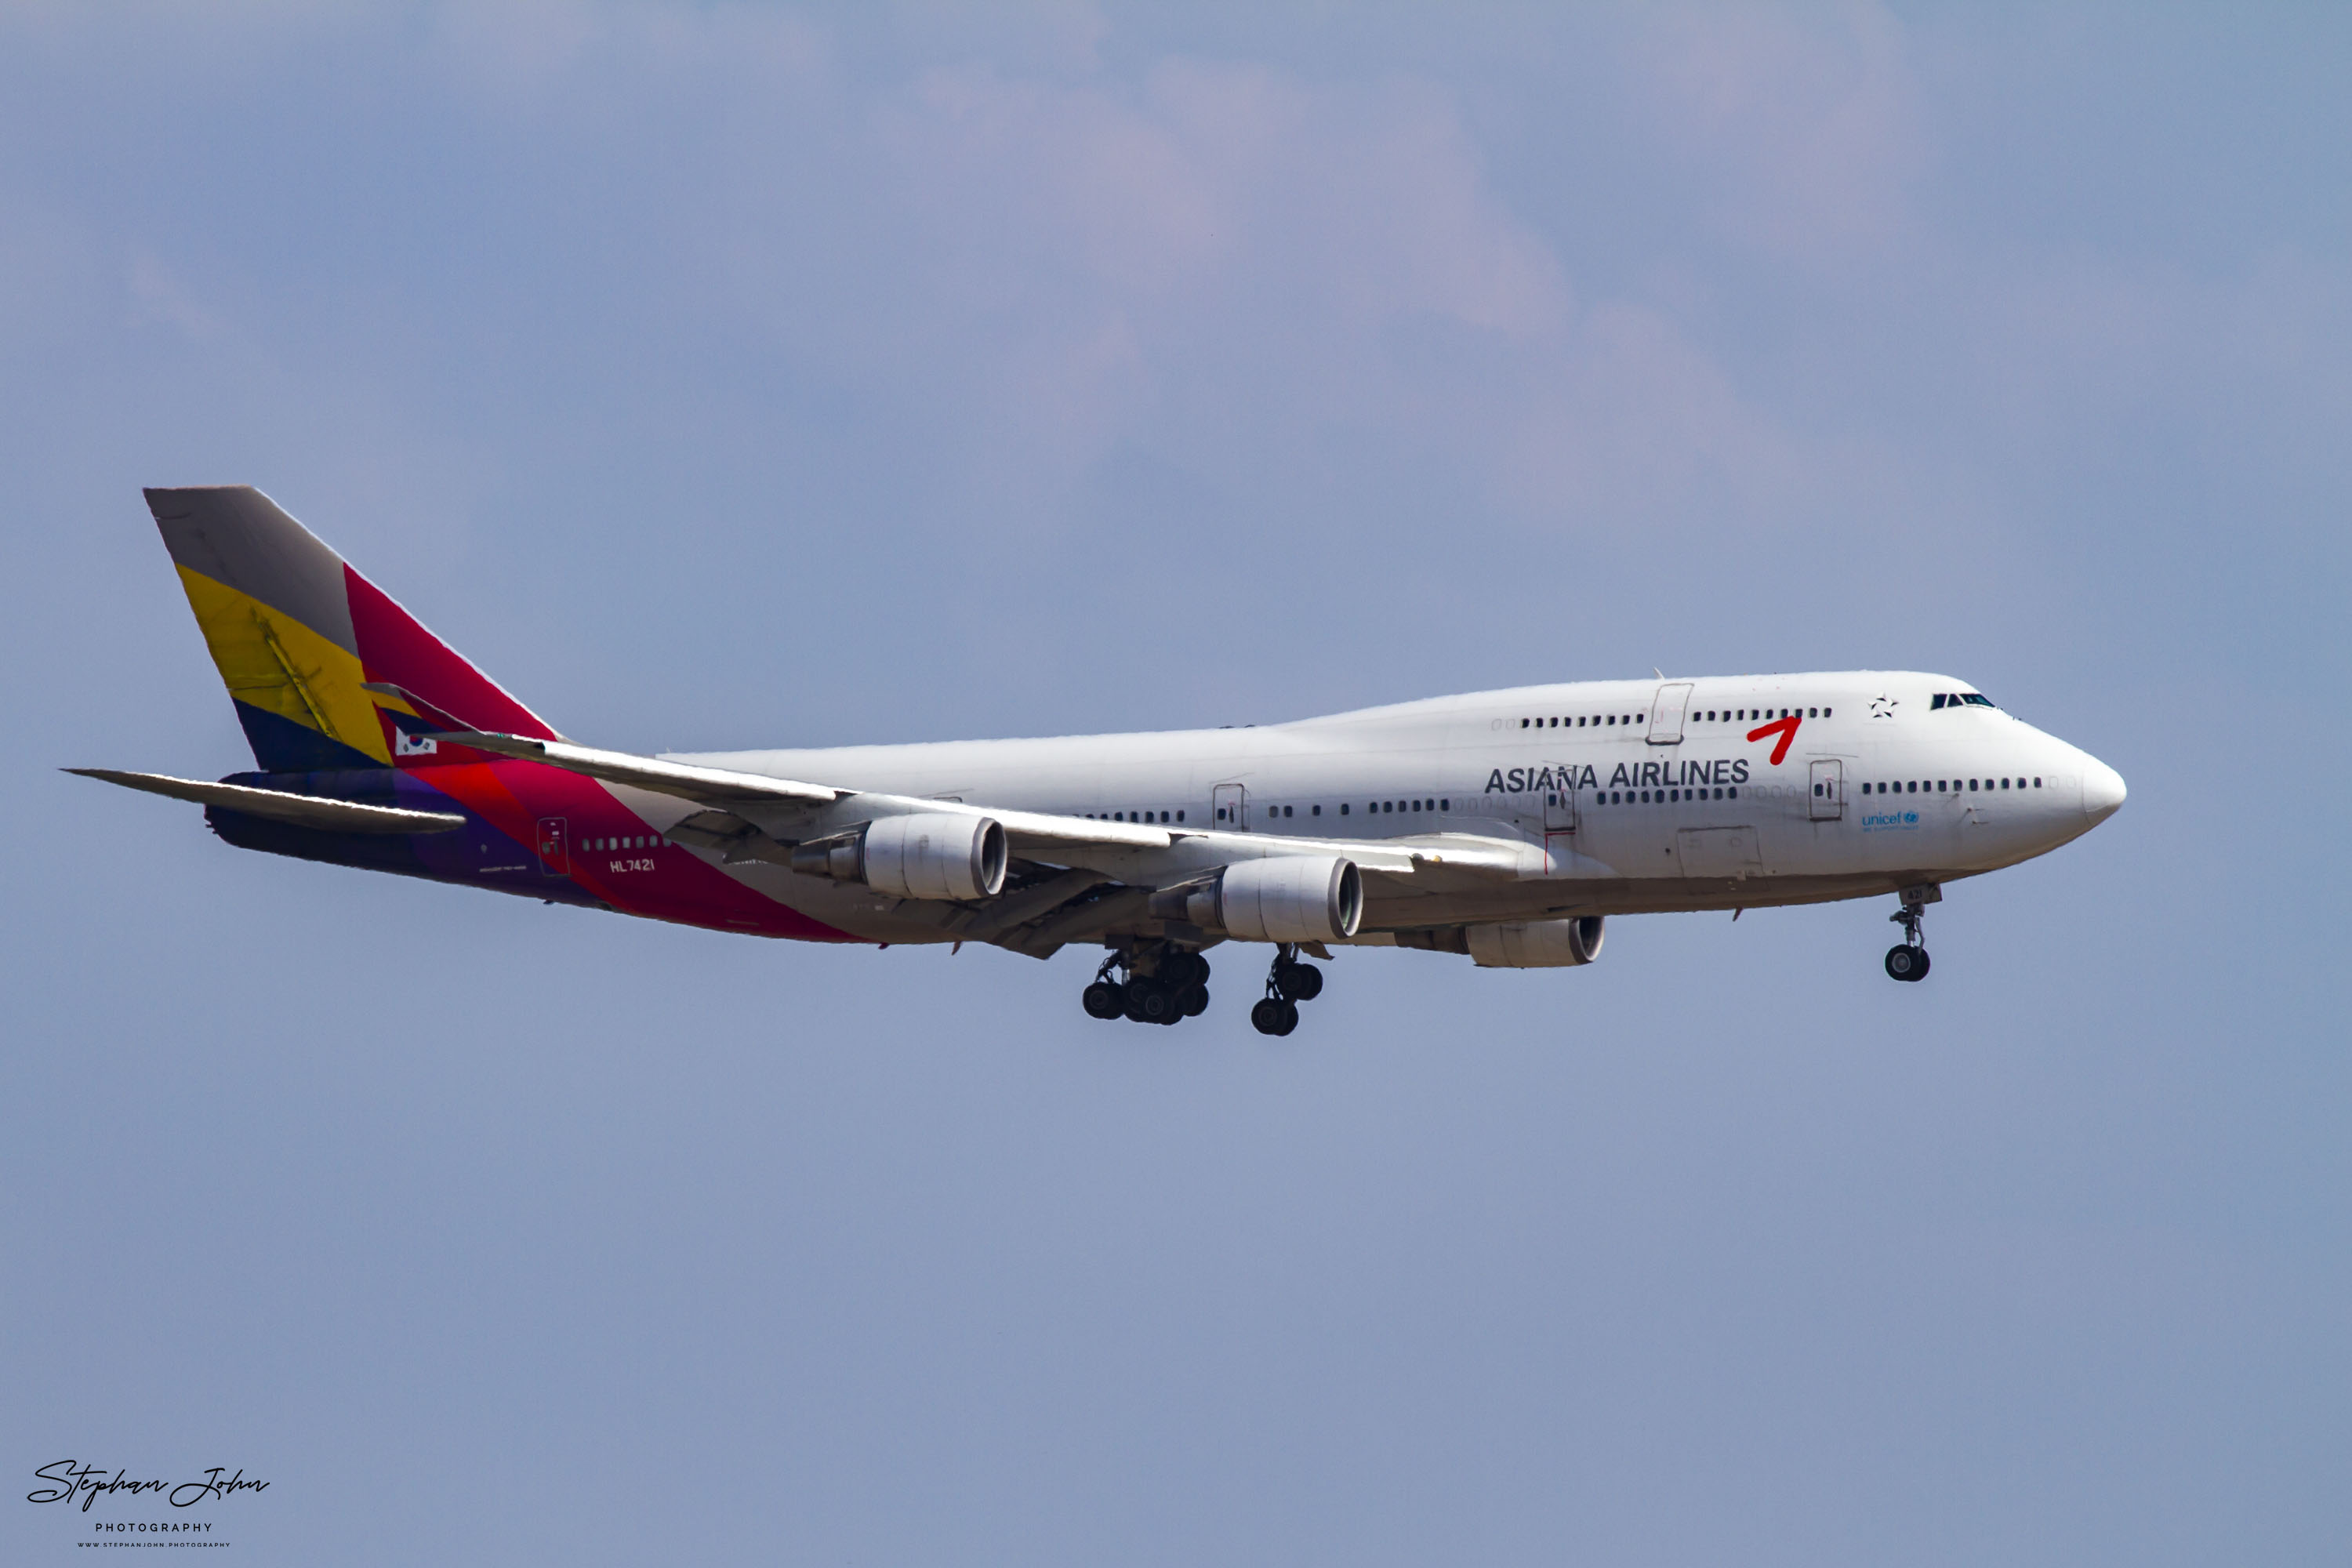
x,y
1505,826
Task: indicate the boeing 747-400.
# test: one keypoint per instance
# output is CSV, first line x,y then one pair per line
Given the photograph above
x,y
1504,826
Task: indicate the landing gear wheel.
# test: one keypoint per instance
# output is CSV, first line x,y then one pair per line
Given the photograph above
x,y
1298,982
1274,1016
1909,961
1105,999
1180,969
1192,1000
1147,1002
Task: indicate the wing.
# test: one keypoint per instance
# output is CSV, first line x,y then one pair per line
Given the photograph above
x,y
303,810
1035,834
1080,878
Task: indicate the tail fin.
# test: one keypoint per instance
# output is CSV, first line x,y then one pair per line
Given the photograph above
x,y
325,669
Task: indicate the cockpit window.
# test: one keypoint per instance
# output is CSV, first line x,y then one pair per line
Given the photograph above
x,y
1960,698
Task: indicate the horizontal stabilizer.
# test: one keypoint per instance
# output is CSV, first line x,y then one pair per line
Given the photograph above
x,y
302,810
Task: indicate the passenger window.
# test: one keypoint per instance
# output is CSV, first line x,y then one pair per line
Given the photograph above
x,y
1445,806
1812,712
1287,811
1612,718
1311,811
1343,808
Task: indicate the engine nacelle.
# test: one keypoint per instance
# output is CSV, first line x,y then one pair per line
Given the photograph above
x,y
925,855
1536,944
1284,898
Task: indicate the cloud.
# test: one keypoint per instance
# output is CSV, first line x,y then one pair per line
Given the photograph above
x,y
1807,124
158,296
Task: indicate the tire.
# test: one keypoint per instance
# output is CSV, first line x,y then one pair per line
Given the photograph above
x,y
1104,1000
1192,1000
1182,969
1906,962
1299,981
1289,1019
1149,1003
1266,1017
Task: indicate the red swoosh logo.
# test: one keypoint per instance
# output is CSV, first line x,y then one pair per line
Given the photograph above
x,y
1784,728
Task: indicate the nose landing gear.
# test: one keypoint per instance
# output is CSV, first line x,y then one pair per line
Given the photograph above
x,y
1907,959
1289,982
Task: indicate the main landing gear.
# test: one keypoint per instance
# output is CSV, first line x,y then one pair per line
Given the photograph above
x,y
1288,984
1164,985
1907,959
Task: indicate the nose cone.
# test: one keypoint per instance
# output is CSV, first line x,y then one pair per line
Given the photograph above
x,y
2103,790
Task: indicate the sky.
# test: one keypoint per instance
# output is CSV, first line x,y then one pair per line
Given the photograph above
x,y
724,376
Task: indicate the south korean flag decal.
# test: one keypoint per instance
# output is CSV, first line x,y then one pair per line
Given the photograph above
x,y
404,745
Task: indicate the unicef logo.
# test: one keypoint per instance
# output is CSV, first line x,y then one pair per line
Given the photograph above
x,y
1891,819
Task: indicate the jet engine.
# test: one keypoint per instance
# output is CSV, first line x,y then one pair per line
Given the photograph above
x,y
1536,944
1284,898
925,855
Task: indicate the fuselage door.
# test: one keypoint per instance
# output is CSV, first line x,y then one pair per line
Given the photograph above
x,y
1559,810
1560,826
1667,713
1229,804
554,846
1829,789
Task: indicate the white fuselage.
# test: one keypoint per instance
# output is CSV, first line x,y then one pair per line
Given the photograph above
x,y
1624,796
